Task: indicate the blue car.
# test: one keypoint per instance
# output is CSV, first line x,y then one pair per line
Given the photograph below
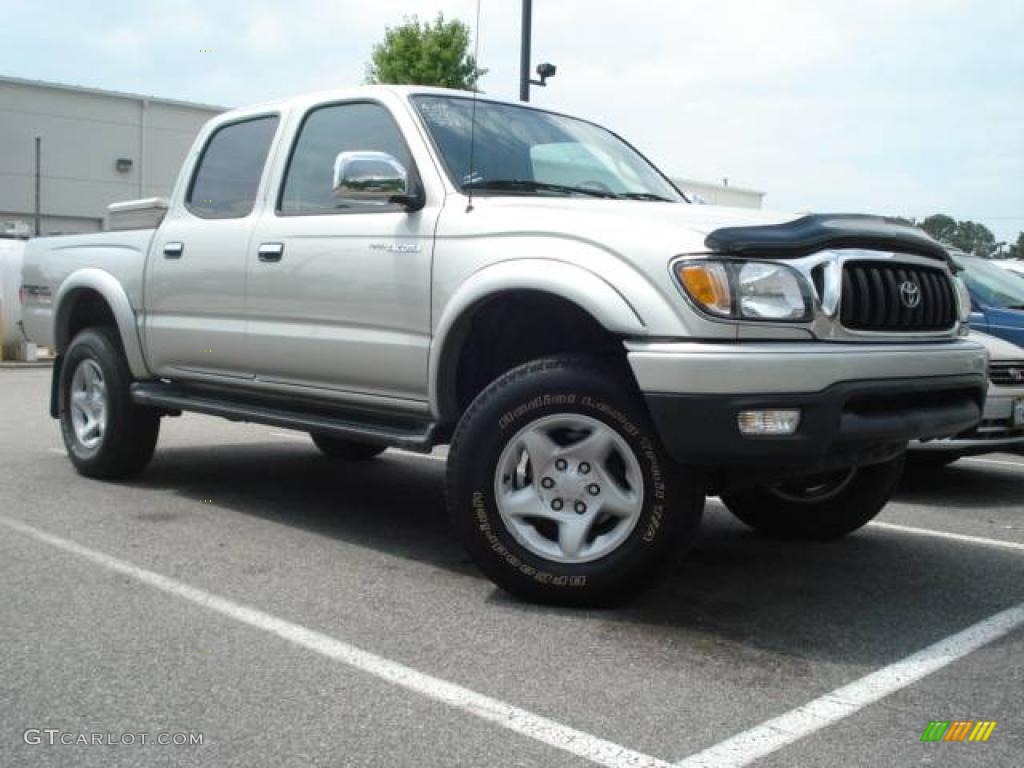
x,y
997,299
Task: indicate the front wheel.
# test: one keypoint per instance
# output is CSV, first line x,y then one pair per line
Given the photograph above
x,y
560,489
820,507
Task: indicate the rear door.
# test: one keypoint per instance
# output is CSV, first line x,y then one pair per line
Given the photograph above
x,y
338,289
195,281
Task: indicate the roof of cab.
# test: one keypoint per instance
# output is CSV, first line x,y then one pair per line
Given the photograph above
x,y
302,101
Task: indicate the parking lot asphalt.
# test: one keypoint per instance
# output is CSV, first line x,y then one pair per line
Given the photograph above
x,y
300,612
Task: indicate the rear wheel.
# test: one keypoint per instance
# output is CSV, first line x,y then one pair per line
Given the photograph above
x,y
347,450
560,490
819,507
106,434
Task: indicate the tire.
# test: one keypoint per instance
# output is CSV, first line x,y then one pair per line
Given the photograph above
x,y
626,515
819,508
94,384
346,449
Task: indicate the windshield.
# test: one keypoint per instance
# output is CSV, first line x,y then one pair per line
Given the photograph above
x,y
525,151
992,286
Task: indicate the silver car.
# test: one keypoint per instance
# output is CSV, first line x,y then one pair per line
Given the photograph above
x,y
1002,425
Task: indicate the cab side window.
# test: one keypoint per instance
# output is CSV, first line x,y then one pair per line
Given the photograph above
x,y
227,177
325,133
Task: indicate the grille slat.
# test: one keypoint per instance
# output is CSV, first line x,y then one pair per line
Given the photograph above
x,y
937,307
846,307
949,302
892,313
928,289
878,297
873,298
1007,373
860,281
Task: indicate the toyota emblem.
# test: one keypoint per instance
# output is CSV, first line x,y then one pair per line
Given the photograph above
x,y
910,294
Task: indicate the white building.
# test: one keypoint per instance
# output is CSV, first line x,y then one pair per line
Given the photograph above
x,y
95,147
720,194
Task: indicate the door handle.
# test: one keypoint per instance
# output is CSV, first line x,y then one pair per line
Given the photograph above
x,y
270,252
173,250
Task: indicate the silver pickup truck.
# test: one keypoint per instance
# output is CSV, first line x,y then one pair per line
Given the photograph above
x,y
408,267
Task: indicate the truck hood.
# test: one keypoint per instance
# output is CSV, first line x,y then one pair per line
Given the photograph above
x,y
632,230
630,227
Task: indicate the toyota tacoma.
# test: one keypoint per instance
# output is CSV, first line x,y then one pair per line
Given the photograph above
x,y
408,267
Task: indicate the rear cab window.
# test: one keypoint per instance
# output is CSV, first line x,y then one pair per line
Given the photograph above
x,y
227,177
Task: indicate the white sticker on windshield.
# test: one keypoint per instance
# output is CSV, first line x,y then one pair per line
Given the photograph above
x,y
441,114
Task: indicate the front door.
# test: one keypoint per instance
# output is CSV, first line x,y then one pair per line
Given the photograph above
x,y
339,289
195,274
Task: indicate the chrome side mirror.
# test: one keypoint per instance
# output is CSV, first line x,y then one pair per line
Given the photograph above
x,y
370,177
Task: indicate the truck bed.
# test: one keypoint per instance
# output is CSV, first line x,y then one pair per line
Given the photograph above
x,y
49,260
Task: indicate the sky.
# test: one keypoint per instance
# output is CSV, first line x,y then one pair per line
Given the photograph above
x,y
901,107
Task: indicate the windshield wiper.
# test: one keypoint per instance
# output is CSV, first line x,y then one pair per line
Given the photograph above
x,y
645,196
528,185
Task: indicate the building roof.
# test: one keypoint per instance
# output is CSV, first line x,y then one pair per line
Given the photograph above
x,y
112,94
679,181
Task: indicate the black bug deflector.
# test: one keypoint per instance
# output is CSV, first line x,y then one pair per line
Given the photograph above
x,y
817,232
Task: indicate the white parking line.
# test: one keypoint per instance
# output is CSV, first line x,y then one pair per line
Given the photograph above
x,y
412,455
60,451
998,543
772,735
995,462
513,718
292,436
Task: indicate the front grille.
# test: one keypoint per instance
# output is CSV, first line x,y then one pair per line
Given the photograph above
x,y
1007,373
881,296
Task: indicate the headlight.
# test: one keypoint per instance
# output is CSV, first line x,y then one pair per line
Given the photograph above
x,y
746,290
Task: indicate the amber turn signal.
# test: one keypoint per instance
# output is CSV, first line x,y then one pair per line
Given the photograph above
x,y
707,283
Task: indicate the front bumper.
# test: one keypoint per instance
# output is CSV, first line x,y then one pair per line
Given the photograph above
x,y
859,403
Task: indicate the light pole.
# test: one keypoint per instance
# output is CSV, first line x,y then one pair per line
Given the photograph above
x,y
544,70
524,51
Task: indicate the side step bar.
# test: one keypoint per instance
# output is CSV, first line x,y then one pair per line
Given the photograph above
x,y
358,426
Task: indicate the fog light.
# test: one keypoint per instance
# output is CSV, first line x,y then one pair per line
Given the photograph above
x,y
774,422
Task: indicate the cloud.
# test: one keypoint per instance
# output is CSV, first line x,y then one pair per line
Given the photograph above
x,y
123,42
267,32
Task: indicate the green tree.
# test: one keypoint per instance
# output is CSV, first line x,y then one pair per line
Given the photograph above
x,y
968,236
425,53
1016,250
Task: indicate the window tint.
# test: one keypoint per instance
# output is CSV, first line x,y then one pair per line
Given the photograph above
x,y
326,132
228,177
